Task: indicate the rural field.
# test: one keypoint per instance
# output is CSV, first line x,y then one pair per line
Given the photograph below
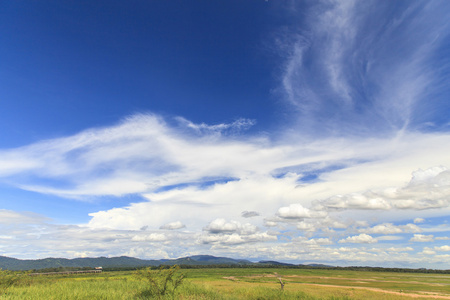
x,y
228,283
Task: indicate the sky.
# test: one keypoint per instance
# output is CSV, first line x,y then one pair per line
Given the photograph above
x,y
296,131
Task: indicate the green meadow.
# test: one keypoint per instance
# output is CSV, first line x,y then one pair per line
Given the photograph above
x,y
227,283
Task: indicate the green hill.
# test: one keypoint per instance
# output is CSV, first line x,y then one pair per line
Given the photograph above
x,y
112,262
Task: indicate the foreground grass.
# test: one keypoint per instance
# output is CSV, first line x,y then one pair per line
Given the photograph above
x,y
238,284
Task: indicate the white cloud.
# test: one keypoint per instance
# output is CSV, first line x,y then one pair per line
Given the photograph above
x,y
418,220
389,238
320,241
442,248
13,217
153,237
245,183
422,192
387,228
359,239
428,251
411,228
422,238
222,226
221,232
401,249
345,54
294,211
305,226
357,201
234,127
235,238
173,226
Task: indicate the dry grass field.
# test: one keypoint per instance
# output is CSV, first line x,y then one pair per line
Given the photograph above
x,y
238,283
331,284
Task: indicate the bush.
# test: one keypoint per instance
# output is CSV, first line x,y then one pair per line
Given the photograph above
x,y
7,279
161,282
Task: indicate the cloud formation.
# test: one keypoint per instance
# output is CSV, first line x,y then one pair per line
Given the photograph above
x,y
361,173
352,67
427,189
173,225
359,239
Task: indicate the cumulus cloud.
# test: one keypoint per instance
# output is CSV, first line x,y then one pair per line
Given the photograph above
x,y
306,226
222,226
411,228
153,237
220,231
428,251
320,241
442,248
235,238
173,226
359,239
422,238
389,228
418,220
383,229
389,238
401,249
427,189
294,211
243,177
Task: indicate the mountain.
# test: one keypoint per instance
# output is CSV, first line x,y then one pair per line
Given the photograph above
x,y
113,262
36,264
319,266
208,260
275,263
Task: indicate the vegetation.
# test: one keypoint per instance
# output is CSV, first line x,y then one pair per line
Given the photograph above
x,y
226,284
161,282
7,279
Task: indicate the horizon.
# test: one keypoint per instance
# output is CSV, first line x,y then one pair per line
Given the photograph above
x,y
306,131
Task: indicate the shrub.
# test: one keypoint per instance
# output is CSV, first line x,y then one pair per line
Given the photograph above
x,y
7,279
162,281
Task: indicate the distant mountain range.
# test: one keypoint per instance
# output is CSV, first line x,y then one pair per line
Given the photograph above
x,y
123,262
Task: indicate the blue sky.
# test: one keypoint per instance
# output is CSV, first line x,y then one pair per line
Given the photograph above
x,y
301,131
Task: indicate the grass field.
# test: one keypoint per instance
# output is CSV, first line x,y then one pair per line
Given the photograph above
x,y
238,283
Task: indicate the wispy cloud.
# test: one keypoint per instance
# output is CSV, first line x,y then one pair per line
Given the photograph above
x,y
359,67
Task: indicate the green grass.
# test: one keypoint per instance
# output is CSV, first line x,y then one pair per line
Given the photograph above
x,y
236,284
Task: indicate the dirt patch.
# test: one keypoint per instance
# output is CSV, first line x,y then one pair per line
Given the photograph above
x,y
417,294
412,295
358,280
232,278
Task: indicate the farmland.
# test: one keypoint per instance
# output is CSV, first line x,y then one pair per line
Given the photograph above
x,y
236,283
